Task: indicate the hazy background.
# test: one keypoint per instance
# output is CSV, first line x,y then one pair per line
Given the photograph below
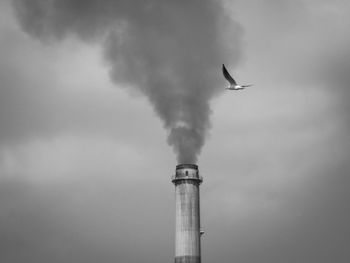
x,y
85,168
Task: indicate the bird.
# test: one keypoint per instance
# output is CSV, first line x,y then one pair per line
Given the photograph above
x,y
233,84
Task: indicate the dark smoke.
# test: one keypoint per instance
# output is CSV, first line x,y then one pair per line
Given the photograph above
x,y
171,51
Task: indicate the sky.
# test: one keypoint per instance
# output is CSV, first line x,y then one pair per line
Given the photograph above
x,y
92,93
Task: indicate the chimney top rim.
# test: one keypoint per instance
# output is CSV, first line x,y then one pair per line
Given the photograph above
x,y
186,165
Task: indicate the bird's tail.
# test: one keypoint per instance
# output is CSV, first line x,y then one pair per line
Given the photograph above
x,y
246,86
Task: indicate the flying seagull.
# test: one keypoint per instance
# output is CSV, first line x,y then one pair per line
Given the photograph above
x,y
233,84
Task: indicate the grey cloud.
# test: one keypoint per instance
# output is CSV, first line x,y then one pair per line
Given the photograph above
x,y
33,229
41,99
169,51
333,73
84,221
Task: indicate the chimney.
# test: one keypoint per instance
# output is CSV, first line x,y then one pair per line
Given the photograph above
x,y
187,218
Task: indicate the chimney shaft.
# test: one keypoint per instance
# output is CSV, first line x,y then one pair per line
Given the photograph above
x,y
187,218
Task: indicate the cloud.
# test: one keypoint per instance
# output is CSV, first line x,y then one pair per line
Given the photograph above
x,y
44,93
82,219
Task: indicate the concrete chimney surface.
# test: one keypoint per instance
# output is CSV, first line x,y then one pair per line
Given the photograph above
x,y
187,218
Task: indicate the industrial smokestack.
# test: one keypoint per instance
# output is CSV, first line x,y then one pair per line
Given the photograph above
x,y
187,218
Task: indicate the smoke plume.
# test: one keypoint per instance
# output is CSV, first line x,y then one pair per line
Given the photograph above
x,y
171,51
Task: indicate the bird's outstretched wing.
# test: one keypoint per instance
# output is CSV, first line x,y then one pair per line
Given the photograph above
x,y
246,86
228,76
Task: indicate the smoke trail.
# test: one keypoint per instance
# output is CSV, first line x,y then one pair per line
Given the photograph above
x,y
169,50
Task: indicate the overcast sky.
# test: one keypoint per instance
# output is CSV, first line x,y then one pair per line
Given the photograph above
x,y
84,161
